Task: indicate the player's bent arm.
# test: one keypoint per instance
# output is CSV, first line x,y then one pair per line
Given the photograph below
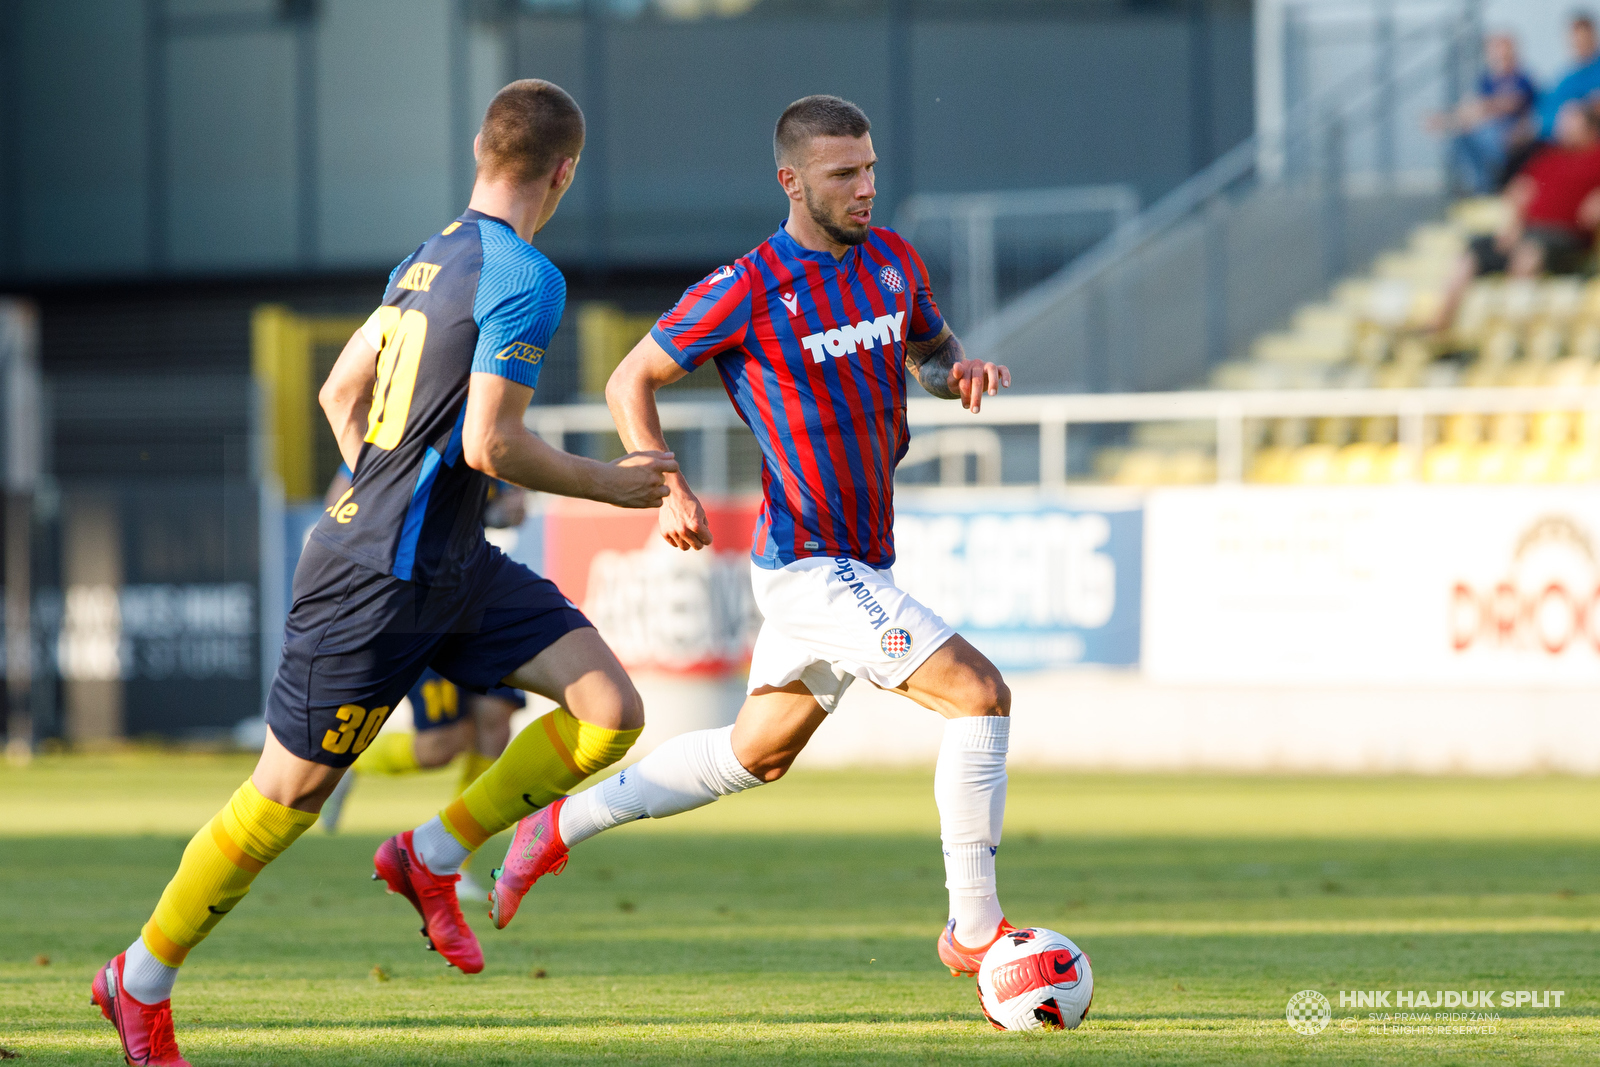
x,y
631,396
346,397
495,441
940,366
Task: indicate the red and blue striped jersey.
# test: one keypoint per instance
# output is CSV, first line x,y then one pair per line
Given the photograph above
x,y
811,350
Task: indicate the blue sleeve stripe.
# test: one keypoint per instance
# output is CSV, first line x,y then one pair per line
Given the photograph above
x,y
670,347
405,555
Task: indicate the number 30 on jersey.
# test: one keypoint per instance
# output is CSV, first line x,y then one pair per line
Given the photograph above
x,y
404,334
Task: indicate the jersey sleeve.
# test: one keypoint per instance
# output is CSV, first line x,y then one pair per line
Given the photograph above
x,y
926,321
710,318
518,307
372,331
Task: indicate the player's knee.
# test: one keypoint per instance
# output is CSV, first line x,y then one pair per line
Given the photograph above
x,y
622,707
435,748
630,707
772,766
985,694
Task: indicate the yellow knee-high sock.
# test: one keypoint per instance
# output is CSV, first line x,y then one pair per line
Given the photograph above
x,y
217,869
392,753
552,755
473,764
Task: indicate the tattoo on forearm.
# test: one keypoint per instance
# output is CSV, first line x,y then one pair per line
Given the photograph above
x,y
931,368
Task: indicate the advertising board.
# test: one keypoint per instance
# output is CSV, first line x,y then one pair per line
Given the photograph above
x,y
1034,583
1426,584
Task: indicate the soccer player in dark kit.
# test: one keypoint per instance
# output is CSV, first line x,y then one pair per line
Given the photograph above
x,y
427,402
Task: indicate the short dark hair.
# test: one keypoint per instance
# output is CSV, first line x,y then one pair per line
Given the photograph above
x,y
531,126
816,116
1581,18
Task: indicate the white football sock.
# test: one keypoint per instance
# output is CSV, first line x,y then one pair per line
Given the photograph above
x,y
438,848
614,801
969,785
146,979
687,772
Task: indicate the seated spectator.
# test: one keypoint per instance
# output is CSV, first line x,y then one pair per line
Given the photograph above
x,y
1496,119
1555,205
1579,82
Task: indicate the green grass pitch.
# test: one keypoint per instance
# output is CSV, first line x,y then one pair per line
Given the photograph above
x,y
796,924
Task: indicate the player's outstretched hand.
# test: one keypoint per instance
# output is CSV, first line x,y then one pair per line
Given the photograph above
x,y
971,378
641,479
683,520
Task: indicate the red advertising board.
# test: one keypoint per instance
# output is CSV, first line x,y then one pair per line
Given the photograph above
x,y
659,608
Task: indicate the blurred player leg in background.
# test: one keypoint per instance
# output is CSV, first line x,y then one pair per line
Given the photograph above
x,y
599,718
447,724
439,732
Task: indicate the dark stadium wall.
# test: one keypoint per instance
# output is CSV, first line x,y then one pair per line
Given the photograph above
x,y
150,138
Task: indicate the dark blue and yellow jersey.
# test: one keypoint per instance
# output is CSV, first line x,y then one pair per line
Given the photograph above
x,y
475,298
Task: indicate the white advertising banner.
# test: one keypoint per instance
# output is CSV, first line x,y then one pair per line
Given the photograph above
x,y
1386,584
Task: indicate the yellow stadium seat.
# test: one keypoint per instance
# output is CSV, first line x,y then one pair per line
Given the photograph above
x,y
1585,341
1447,462
1545,342
1492,462
1462,429
1537,463
1141,466
1358,463
1568,371
1313,465
1578,463
1395,463
1551,427
1189,466
1270,465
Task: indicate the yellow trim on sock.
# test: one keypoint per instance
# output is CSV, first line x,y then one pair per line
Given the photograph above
x,y
463,827
536,768
233,852
161,946
552,724
218,865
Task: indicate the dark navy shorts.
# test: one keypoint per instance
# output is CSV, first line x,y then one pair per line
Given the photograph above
x,y
358,640
436,701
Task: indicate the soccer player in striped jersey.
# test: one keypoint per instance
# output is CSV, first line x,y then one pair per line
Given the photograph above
x,y
426,402
813,334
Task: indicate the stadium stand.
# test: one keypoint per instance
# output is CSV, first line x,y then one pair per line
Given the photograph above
x,y
1373,331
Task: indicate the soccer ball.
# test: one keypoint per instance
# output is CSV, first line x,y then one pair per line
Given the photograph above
x,y
1035,979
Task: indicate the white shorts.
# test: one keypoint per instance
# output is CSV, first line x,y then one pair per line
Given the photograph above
x,y
827,622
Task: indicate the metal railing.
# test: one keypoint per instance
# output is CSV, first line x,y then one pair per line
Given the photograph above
x,y
962,226
951,432
1229,254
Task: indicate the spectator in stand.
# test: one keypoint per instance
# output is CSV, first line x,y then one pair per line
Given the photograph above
x,y
1555,208
1492,122
1579,82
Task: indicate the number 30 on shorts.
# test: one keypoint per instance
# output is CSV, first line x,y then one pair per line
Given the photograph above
x,y
357,727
